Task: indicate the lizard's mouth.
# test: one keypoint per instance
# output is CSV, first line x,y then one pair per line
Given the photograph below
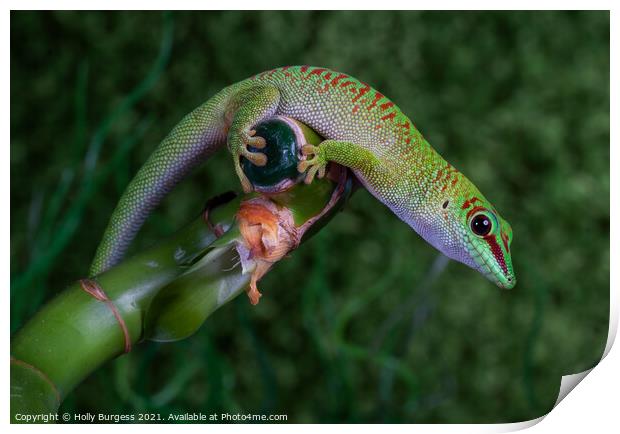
x,y
499,278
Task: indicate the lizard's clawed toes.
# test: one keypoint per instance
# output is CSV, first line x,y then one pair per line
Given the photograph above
x,y
315,166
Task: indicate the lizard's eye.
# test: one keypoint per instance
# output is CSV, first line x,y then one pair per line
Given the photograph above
x,y
481,224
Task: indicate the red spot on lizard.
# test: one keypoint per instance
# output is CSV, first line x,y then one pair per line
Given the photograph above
x,y
505,241
338,78
378,97
362,92
317,71
389,116
470,202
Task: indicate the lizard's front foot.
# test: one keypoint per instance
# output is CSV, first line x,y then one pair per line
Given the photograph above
x,y
315,165
239,148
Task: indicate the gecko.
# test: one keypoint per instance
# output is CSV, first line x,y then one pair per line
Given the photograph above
x,y
363,131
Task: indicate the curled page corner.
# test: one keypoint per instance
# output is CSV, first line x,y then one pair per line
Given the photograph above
x,y
569,382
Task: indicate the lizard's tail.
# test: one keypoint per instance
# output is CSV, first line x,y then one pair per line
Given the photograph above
x,y
191,142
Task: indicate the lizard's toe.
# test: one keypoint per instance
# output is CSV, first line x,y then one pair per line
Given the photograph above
x,y
310,175
246,185
256,142
302,166
256,158
309,150
314,167
245,182
251,139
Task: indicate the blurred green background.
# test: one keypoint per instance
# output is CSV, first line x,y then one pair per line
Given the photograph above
x,y
366,322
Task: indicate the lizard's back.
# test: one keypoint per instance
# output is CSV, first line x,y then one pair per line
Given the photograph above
x,y
341,107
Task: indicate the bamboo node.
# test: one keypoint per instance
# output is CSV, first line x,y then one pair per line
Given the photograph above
x,y
92,287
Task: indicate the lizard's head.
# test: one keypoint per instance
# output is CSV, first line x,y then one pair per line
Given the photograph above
x,y
486,243
477,236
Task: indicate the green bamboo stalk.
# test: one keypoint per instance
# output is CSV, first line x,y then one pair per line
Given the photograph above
x,y
76,332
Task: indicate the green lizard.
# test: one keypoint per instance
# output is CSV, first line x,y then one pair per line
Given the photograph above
x,y
364,131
